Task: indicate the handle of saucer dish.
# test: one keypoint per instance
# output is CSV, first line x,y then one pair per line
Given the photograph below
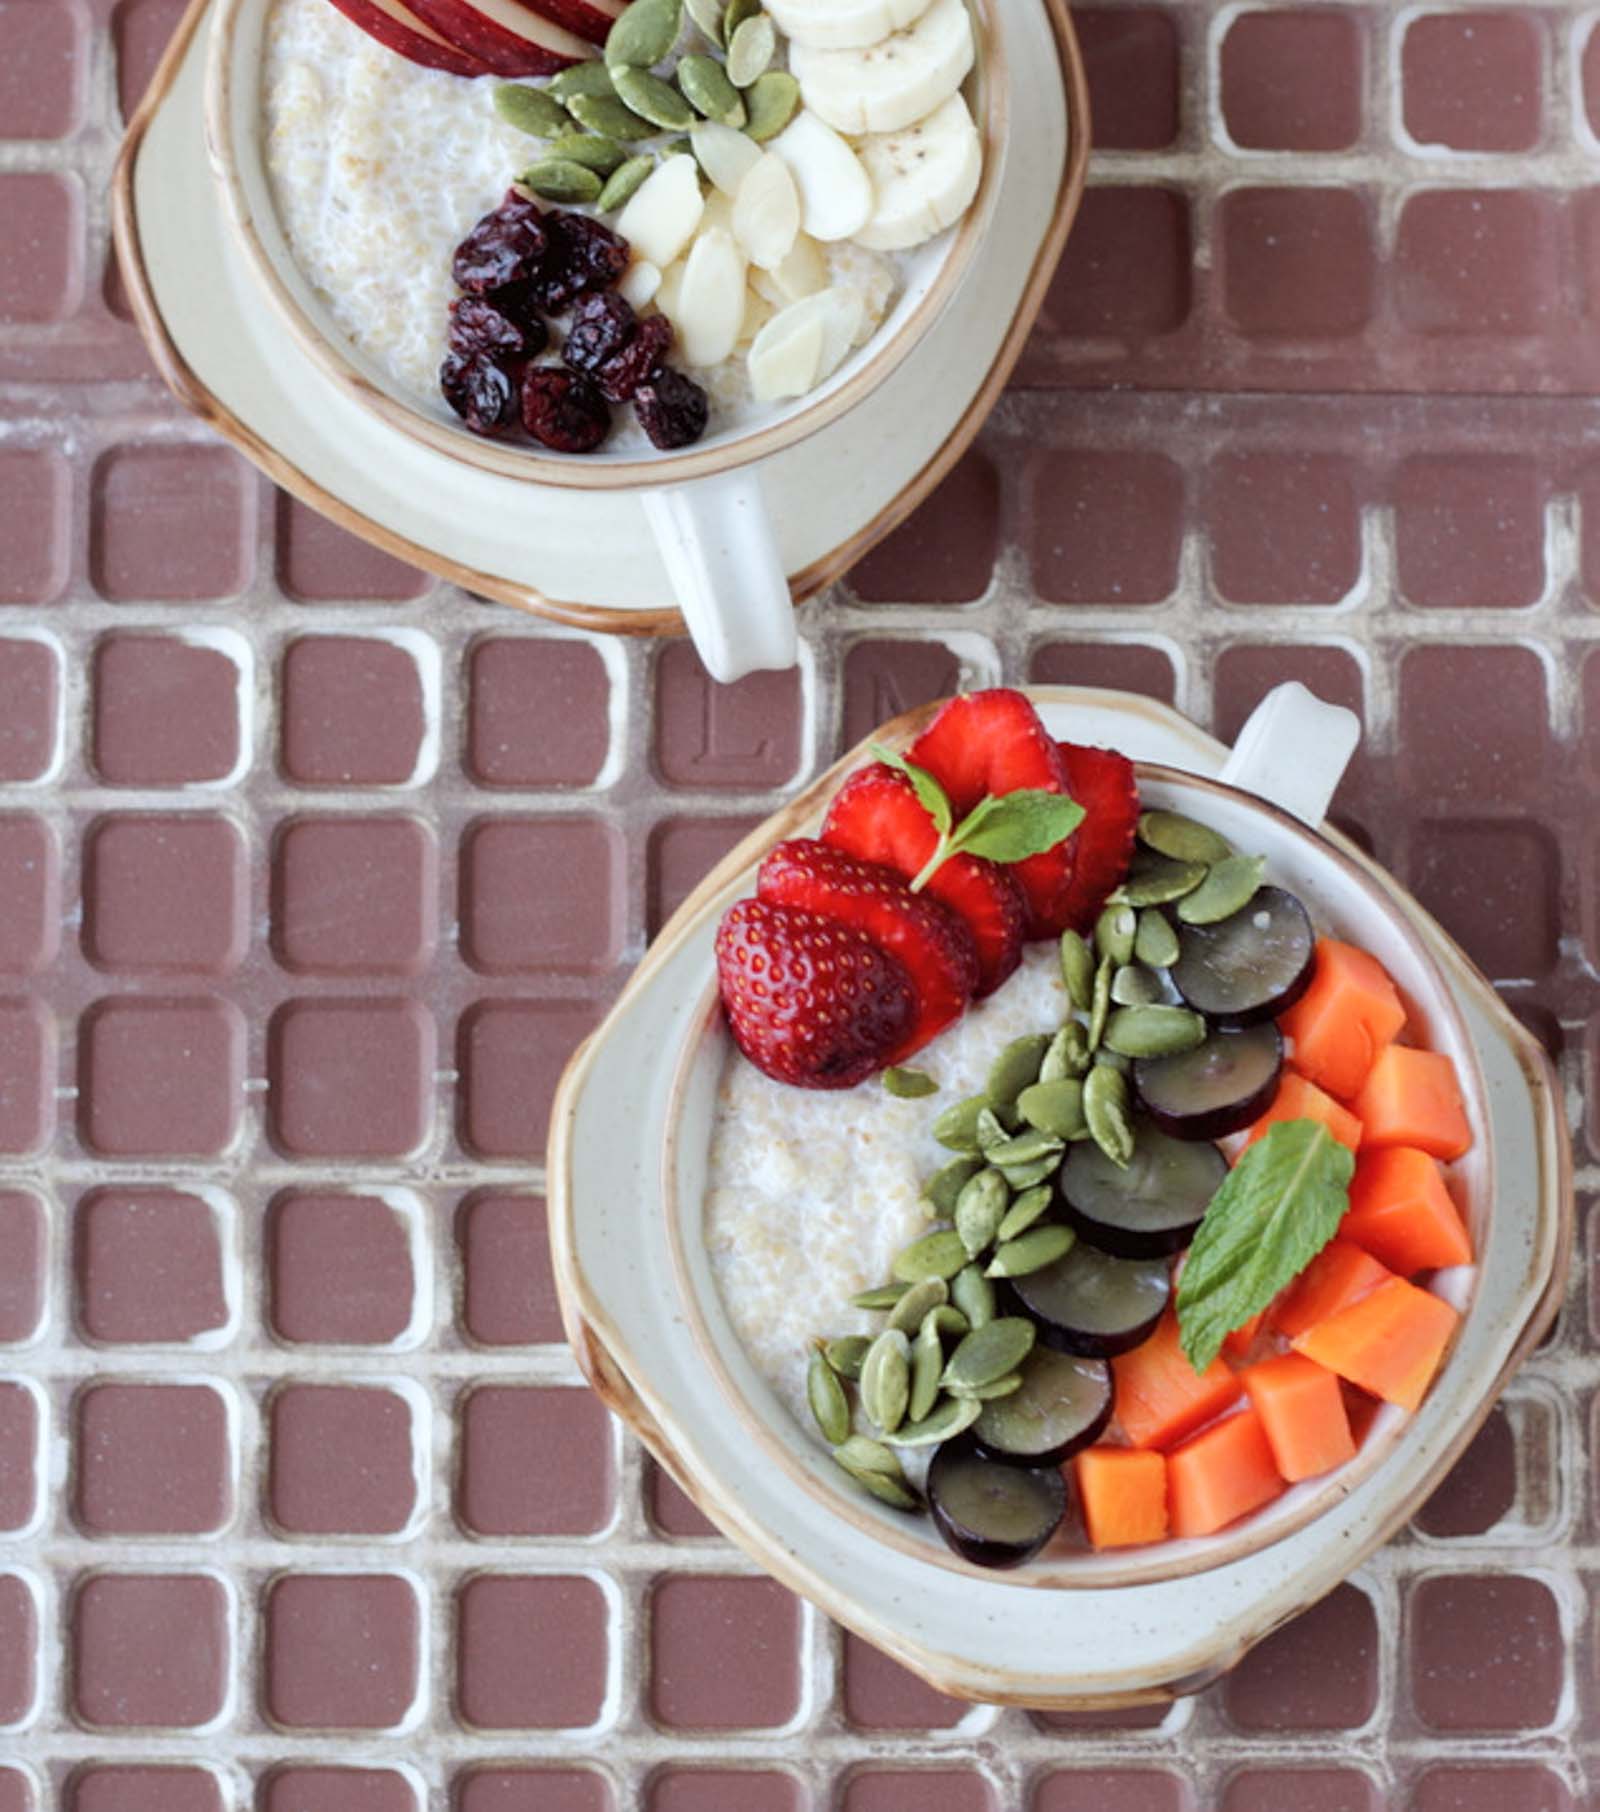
x,y
716,540
1293,751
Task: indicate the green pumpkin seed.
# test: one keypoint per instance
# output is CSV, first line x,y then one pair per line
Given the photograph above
x,y
589,77
602,155
531,110
944,1187
860,1454
893,1492
1016,1066
1068,1054
1105,1107
1155,943
1055,1108
1026,1148
623,183
980,1209
1007,1386
973,1294
957,1127
1026,1176
735,15
1032,1251
908,1085
706,85
909,1312
1113,1060
1023,1212
1184,839
605,114
934,1255
1102,1002
886,1379
882,1296
1228,888
1114,931
992,1130
558,179
707,15
1077,969
927,1362
829,1405
1154,1031
751,48
652,99
846,1353
1156,880
989,1352
948,1319
771,101
948,1418
1134,987
643,34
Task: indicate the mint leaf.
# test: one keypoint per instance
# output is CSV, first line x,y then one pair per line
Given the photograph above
x,y
935,800
1279,1206
1017,825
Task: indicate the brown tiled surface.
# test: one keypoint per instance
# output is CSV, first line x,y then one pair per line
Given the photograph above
x,y
303,1507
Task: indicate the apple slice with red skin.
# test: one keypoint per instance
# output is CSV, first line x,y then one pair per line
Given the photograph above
x,y
591,19
396,27
511,39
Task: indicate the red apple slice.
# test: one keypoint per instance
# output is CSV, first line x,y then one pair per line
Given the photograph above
x,y
591,19
393,25
510,38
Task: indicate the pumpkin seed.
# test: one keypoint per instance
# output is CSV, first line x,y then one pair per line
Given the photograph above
x,y
945,1185
1184,839
907,1314
1113,1060
1105,1107
882,1296
751,48
989,1352
643,34
908,1085
1026,1148
736,14
771,101
886,1379
706,85
957,1127
623,182
602,155
1155,880
604,113
1032,1251
1228,888
1155,943
1154,1031
846,1353
707,14
947,1418
559,179
588,77
938,1254
1015,1067
927,1362
1023,1212
1054,1108
861,1454
1114,930
986,1393
1077,969
893,1492
1134,986
829,1405
992,1130
1025,1176
1102,1002
1068,1054
980,1209
948,1320
531,110
973,1294
652,99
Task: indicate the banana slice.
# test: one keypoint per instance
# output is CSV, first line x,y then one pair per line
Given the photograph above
x,y
783,360
894,82
766,213
835,191
662,217
726,156
843,24
923,177
710,300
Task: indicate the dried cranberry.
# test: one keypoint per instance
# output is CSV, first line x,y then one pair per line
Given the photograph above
x,y
563,410
602,324
672,409
496,325
507,246
622,374
580,255
479,390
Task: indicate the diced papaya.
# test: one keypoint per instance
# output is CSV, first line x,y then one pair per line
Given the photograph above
x,y
1341,1273
1239,1342
1298,1099
1123,1494
1389,1342
1301,1406
1401,1212
1344,1019
1160,1397
1220,1474
1413,1098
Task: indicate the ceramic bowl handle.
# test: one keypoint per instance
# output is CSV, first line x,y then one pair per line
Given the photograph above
x,y
1293,751
716,541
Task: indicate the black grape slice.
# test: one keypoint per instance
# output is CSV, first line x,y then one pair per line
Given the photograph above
x,y
993,1515
1064,1404
1219,1087
1249,967
1148,1209
1095,1305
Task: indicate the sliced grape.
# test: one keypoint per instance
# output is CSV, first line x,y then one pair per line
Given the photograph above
x,y
1249,967
1064,1403
1152,1206
1218,1088
1095,1305
993,1515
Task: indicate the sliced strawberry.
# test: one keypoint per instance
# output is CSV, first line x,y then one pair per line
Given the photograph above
x,y
810,1001
876,816
934,945
993,743
1102,782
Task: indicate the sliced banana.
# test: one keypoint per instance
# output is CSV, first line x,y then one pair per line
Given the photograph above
x,y
766,213
726,156
639,282
783,361
843,24
710,300
665,211
894,82
923,177
835,190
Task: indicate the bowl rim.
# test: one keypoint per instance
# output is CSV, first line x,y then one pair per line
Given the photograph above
x,y
340,361
1176,1557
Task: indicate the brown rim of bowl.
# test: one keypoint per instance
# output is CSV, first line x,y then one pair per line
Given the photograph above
x,y
330,354
1060,1574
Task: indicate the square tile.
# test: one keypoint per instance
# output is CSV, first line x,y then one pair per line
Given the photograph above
x,y
1496,888
19,1456
916,1790
23,1248
355,896
19,1641
511,1055
542,894
1306,1789
45,213
16,1791
1126,275
1123,666
342,1651
342,1461
149,1651
165,894
141,31
1486,1652
35,517
350,1078
508,1293
744,736
1105,527
145,1789
352,712
30,886
321,563
531,1653
298,1789
724,1653
149,1267
1478,261
27,1078
152,1459
1484,1787
44,61
1501,692
944,552
880,1694
884,678
521,687
1112,1790
1480,1490
171,524
30,698
1131,56
1297,263
724,1790
533,1790
1292,80
1474,81
166,712
683,851
339,1270
1469,531
160,1078
671,1510
1285,527
1319,1672
533,1462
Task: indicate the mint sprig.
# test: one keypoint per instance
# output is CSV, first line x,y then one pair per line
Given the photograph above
x,y
1276,1210
1008,827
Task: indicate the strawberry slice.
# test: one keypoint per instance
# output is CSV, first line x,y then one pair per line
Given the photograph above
x,y
934,945
810,1002
993,743
875,815
1102,782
